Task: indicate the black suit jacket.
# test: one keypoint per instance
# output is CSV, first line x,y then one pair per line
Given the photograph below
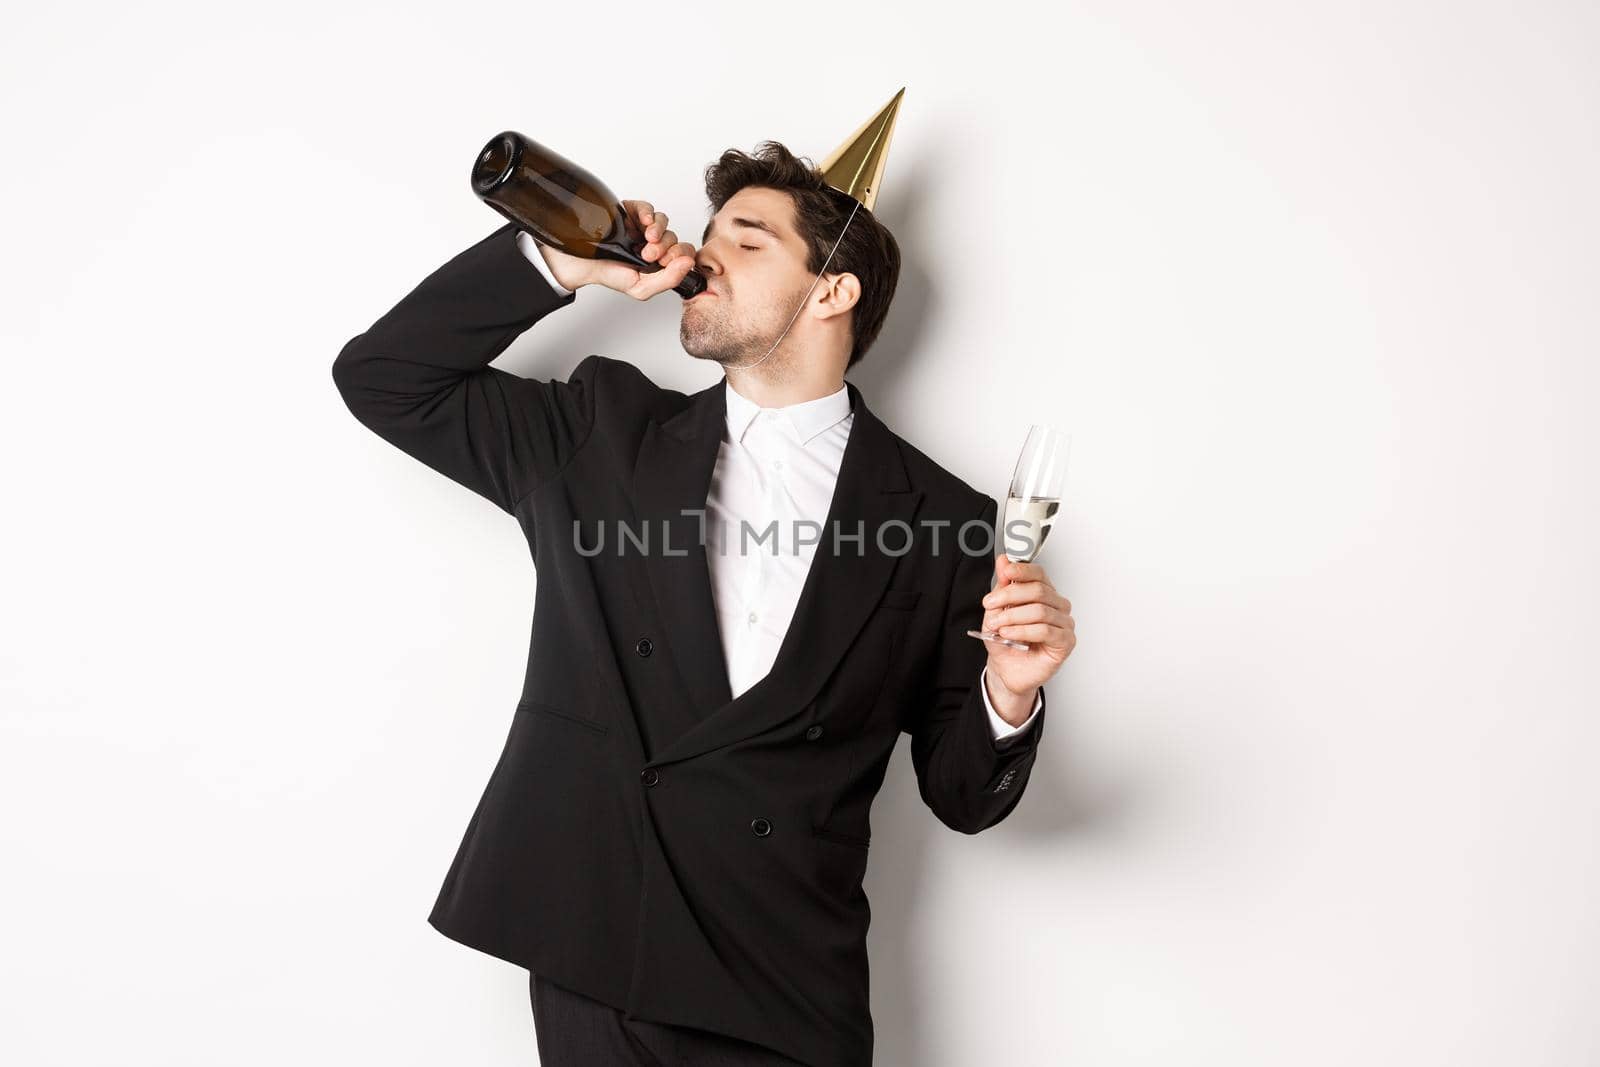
x,y
645,839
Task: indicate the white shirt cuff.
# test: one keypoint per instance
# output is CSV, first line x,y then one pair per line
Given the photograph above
x,y
998,726
530,252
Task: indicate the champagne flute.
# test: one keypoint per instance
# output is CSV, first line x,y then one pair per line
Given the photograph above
x,y
1031,504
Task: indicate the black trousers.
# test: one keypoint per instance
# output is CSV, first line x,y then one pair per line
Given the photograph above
x,y
573,1030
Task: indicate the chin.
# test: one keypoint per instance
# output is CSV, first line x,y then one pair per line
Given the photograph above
x,y
697,345
700,336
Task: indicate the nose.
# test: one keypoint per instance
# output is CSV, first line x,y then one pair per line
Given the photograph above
x,y
706,261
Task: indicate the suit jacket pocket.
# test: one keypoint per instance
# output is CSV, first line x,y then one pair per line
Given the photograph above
x,y
562,713
858,840
841,860
900,599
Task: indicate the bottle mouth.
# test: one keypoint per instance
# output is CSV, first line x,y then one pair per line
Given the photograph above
x,y
495,163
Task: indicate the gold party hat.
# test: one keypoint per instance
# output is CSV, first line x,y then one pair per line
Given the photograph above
x,y
855,168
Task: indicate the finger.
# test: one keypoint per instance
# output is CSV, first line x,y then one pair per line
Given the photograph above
x,y
660,281
1017,594
1032,612
682,248
657,227
1024,572
1021,593
1040,633
656,250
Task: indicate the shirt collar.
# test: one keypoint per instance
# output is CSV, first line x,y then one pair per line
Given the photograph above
x,y
807,418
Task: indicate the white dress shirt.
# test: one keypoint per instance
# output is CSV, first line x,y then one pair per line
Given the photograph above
x,y
776,468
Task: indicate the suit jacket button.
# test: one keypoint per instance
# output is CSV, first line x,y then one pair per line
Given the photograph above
x,y
649,776
813,732
762,827
644,646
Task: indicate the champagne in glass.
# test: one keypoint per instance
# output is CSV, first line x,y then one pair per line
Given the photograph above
x,y
1026,524
1031,504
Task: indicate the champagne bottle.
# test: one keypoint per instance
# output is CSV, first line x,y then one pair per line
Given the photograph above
x,y
562,205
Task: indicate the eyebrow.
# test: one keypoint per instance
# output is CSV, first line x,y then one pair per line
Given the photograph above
x,y
752,224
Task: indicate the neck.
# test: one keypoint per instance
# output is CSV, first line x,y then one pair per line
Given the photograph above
x,y
785,385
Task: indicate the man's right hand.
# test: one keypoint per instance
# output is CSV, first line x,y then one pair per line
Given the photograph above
x,y
662,246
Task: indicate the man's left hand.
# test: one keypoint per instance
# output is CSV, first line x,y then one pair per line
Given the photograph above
x,y
1024,606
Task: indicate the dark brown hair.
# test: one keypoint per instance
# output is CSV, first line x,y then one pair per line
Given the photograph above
x,y
868,250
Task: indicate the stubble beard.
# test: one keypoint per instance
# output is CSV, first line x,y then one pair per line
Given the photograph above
x,y
725,337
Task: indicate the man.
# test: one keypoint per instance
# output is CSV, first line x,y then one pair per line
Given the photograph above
x,y
745,595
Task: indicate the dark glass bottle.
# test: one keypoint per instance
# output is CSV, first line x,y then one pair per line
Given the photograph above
x,y
562,204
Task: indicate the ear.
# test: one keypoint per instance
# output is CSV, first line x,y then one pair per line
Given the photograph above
x,y
840,295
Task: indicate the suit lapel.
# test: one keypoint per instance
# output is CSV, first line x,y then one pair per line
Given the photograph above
x,y
840,591
672,475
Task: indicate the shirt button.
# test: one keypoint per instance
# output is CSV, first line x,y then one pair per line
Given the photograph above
x,y
813,732
752,618
649,776
777,464
761,827
645,646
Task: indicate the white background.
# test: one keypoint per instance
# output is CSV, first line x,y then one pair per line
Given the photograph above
x,y
1311,285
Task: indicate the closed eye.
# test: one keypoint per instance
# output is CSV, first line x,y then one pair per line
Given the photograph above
x,y
751,248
